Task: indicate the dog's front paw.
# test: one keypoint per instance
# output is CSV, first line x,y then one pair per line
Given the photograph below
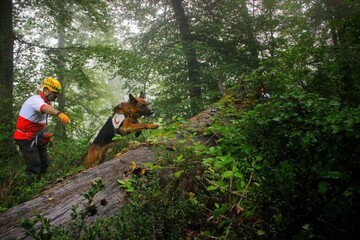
x,y
153,125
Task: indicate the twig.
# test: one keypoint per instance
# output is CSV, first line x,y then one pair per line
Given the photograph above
x,y
247,186
334,226
212,136
232,192
46,47
228,230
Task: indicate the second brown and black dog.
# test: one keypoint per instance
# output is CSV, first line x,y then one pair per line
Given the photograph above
x,y
125,120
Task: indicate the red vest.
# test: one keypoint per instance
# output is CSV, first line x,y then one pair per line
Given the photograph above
x,y
31,119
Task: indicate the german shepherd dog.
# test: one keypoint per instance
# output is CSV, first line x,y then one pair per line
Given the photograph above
x,y
123,121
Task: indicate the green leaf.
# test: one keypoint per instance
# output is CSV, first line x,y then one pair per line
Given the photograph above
x,y
3,209
178,173
180,159
223,223
246,149
276,119
323,187
227,174
207,233
152,166
122,182
211,188
238,175
130,189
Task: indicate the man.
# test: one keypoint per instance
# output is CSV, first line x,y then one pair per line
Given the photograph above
x,y
31,134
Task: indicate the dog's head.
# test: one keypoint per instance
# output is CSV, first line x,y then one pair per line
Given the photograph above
x,y
141,104
136,107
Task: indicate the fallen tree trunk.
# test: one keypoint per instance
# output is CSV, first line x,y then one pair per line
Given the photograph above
x,y
56,202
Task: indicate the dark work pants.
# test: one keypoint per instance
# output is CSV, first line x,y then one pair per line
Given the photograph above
x,y
36,157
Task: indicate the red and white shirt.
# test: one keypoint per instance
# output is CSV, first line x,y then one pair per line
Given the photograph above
x,y
31,119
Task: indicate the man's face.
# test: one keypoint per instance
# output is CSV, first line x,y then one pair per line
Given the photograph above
x,y
51,96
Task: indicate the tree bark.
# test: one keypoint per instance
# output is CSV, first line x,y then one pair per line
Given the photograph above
x,y
6,78
252,43
340,17
190,54
61,66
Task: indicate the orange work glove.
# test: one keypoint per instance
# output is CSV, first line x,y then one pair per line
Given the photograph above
x,y
64,119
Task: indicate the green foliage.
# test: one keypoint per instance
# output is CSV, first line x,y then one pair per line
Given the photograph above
x,y
300,155
307,144
152,213
15,187
44,233
126,184
65,158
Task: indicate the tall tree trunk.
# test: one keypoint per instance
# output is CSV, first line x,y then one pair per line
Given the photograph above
x,y
60,128
190,54
270,9
340,14
251,37
6,78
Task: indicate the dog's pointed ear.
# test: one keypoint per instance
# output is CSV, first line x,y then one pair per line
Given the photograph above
x,y
132,99
142,95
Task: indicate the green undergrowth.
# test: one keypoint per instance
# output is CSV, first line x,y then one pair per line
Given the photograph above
x,y
65,159
283,169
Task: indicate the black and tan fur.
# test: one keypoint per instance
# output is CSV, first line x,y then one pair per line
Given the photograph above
x,y
132,111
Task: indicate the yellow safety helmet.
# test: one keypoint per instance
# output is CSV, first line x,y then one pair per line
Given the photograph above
x,y
52,84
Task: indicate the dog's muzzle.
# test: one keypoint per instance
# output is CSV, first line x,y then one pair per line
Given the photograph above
x,y
147,113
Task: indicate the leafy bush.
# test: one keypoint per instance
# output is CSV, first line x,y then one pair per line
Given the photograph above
x,y
302,152
156,217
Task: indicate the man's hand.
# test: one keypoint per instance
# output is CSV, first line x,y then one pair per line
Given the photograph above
x,y
64,119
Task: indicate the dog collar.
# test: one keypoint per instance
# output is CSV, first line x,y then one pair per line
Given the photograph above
x,y
117,120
